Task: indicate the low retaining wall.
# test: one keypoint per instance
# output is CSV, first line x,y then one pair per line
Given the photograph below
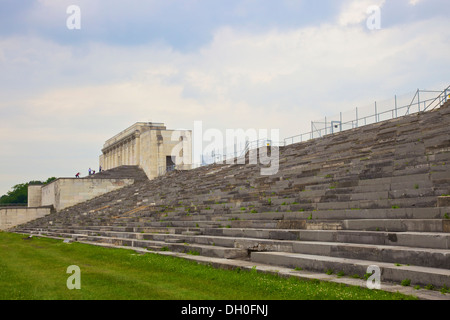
x,y
66,192
14,216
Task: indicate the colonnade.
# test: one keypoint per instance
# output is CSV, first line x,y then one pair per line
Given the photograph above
x,y
121,153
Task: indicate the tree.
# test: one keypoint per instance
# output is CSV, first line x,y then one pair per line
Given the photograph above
x,y
19,193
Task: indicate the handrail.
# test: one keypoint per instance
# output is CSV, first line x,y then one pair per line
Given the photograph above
x,y
410,104
394,112
247,145
444,92
442,97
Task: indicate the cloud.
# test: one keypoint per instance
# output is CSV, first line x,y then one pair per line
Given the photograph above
x,y
356,11
250,78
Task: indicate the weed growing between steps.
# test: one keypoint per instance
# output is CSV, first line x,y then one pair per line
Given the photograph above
x,y
35,269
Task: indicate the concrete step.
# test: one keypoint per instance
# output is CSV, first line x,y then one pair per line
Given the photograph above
x,y
190,238
56,234
373,204
336,214
435,258
389,271
396,254
210,251
204,250
190,233
345,214
168,240
404,239
422,225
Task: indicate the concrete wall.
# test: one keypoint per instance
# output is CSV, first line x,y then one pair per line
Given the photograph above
x,y
157,145
11,217
34,195
48,194
66,192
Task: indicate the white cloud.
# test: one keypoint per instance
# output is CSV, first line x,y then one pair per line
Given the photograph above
x,y
355,11
278,72
414,2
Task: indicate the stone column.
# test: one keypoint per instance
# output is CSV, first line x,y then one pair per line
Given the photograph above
x,y
128,153
124,153
123,157
108,160
133,151
116,158
138,150
120,156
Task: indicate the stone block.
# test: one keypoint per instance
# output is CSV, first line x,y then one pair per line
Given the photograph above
x,y
446,225
291,224
443,201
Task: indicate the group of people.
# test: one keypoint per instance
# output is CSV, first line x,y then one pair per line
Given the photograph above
x,y
90,171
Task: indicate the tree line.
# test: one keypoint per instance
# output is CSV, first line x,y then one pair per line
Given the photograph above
x,y
19,193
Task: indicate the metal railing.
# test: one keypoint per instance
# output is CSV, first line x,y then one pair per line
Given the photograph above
x,y
219,158
253,145
439,100
236,153
330,127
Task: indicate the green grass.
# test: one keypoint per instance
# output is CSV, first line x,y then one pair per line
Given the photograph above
x,y
406,282
36,270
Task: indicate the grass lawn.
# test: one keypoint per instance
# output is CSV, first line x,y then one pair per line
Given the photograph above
x,y
36,270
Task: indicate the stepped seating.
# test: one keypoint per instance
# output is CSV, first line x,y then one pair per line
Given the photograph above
x,y
121,172
366,196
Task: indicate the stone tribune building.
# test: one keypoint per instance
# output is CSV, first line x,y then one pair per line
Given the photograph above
x,y
150,146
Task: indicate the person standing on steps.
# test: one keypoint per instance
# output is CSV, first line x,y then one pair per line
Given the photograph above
x,y
89,171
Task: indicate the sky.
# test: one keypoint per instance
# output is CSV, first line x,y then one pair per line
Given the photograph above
x,y
70,80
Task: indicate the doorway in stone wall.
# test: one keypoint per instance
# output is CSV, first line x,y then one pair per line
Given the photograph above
x,y
170,163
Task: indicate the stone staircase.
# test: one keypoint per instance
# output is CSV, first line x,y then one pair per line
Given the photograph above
x,y
362,197
121,172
